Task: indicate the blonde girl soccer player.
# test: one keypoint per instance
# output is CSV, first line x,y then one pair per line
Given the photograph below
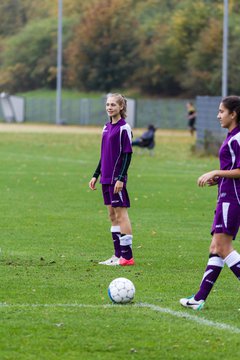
x,y
227,215
116,152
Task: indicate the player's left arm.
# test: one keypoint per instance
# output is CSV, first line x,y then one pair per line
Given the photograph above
x,y
126,144
126,160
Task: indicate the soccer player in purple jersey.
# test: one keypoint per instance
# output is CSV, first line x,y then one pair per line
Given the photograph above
x,y
116,152
227,215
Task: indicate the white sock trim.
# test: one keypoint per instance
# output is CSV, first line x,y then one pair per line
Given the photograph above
x,y
216,261
115,229
232,259
126,240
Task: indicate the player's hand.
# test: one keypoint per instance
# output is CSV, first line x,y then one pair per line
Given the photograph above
x,y
92,183
210,178
118,187
213,181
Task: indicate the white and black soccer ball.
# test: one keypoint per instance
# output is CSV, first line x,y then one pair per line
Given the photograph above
x,y
121,291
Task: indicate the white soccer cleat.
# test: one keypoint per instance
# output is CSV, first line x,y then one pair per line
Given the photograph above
x,y
191,303
113,261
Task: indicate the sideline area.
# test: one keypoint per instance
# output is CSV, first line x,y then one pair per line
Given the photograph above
x,y
47,128
71,129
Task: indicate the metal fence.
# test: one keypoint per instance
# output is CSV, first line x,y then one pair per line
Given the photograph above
x,y
163,113
209,132
1,113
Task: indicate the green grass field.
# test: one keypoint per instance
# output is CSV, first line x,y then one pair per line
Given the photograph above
x,y
54,230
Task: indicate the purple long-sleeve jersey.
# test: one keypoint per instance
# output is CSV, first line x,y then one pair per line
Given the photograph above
x,y
229,155
116,141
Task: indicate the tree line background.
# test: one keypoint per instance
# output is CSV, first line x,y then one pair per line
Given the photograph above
x,y
157,47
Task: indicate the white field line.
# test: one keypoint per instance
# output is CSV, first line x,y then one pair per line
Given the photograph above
x,y
194,318
178,314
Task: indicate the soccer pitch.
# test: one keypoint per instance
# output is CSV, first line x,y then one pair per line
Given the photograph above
x,y
54,230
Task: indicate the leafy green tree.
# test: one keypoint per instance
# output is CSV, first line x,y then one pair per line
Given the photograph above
x,y
234,53
15,14
31,55
203,74
103,52
11,17
167,47
204,62
185,49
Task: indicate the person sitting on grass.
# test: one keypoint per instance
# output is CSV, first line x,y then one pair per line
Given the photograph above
x,y
147,139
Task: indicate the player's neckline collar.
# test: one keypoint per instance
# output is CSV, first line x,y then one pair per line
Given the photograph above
x,y
234,130
116,122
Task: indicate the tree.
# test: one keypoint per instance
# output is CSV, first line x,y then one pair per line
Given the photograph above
x,y
234,52
204,62
167,43
11,17
29,58
103,52
167,47
15,14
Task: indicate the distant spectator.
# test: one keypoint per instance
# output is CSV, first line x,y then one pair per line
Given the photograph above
x,y
192,115
147,140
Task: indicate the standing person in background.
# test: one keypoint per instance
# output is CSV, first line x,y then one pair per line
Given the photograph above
x,y
116,152
191,117
227,215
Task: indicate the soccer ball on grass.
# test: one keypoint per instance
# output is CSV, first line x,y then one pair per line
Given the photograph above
x,y
121,291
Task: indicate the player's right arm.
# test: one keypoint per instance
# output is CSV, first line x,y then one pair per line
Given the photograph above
x,y
92,182
213,176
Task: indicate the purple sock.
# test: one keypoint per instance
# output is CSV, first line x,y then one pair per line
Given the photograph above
x,y
126,246
233,262
115,230
214,267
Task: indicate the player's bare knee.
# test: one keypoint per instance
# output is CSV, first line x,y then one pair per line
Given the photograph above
x,y
120,218
112,215
213,249
222,251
